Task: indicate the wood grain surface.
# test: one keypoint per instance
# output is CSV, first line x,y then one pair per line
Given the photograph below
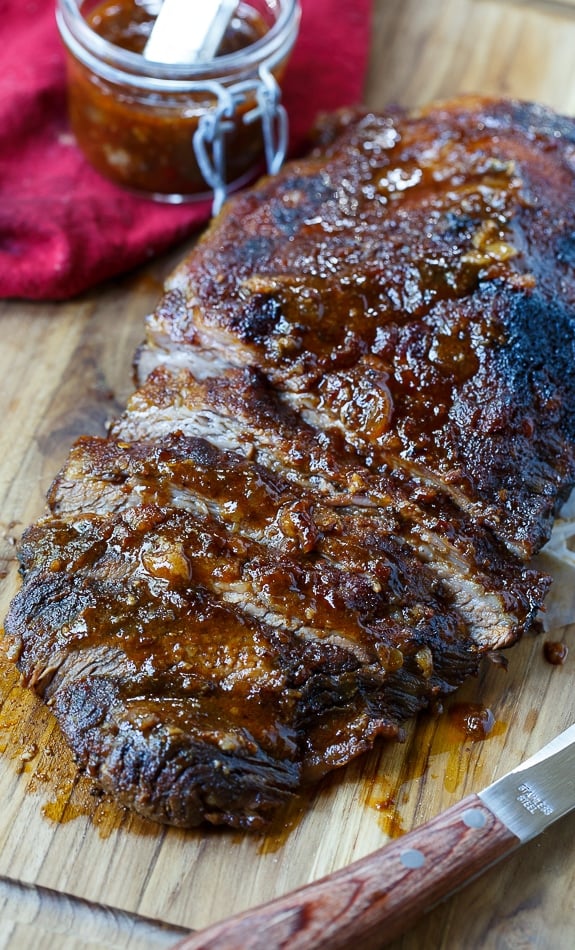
x,y
379,894
64,370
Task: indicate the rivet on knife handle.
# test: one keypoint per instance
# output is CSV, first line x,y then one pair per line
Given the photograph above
x,y
374,900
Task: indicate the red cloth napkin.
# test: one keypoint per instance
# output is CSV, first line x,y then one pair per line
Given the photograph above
x,y
63,228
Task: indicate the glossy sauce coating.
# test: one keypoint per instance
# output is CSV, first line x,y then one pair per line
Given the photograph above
x,y
410,285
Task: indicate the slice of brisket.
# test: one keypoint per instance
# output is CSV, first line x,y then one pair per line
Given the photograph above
x,y
354,426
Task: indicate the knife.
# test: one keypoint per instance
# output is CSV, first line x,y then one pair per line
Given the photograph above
x,y
374,900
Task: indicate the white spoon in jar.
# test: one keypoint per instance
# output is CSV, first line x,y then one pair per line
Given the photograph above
x,y
189,32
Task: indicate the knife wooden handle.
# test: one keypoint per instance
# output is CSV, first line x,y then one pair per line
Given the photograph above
x,y
374,900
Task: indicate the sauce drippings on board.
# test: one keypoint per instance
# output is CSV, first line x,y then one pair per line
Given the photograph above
x,y
472,720
555,652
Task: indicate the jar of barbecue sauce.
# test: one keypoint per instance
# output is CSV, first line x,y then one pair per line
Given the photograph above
x,y
177,132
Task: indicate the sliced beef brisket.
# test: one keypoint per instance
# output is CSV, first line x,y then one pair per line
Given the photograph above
x,y
354,426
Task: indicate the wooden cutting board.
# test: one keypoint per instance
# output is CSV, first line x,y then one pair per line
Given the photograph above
x,y
65,852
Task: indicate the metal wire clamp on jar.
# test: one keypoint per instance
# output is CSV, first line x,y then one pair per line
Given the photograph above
x,y
180,133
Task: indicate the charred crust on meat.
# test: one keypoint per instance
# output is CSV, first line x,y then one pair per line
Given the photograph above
x,y
259,318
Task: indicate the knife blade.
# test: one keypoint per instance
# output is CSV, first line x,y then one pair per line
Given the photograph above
x,y
374,900
539,791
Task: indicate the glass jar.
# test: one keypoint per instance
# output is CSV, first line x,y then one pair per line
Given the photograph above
x,y
179,132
